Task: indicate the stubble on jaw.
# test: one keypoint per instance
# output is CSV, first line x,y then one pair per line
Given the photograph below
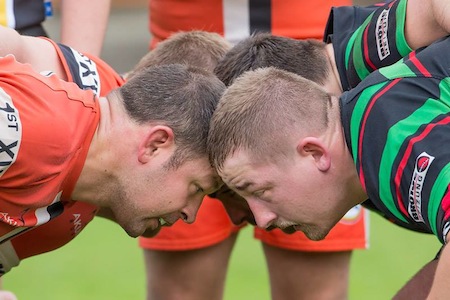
x,y
123,209
313,232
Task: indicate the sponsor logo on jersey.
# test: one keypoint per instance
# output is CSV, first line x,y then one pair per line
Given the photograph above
x,y
4,217
423,162
352,216
10,132
381,34
445,230
87,72
77,224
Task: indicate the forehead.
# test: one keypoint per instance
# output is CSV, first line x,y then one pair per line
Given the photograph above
x,y
199,170
240,170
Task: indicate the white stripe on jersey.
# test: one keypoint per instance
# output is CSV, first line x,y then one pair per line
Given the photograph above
x,y
10,17
16,231
42,215
236,18
87,72
10,132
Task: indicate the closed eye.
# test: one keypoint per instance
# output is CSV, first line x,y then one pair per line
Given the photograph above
x,y
199,189
258,193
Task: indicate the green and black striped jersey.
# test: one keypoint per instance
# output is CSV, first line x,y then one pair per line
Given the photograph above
x,y
397,127
366,38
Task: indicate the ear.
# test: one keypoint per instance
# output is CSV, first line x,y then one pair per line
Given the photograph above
x,y
155,139
314,147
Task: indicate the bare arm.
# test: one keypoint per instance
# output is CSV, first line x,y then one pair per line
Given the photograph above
x,y
37,52
426,22
418,287
440,288
84,23
441,11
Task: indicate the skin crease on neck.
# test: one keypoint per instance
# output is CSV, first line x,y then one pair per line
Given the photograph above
x,y
333,84
100,164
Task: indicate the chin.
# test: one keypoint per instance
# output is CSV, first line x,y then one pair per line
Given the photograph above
x,y
149,233
133,232
314,233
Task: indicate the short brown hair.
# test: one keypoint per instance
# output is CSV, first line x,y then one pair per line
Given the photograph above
x,y
261,110
179,96
196,48
306,58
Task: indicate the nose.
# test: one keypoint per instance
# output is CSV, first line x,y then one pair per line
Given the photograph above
x,y
264,218
238,217
239,213
189,212
236,206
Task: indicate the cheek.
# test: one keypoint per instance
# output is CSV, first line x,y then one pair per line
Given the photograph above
x,y
173,198
293,197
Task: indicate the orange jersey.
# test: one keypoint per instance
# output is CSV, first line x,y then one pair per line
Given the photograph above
x,y
236,20
47,125
87,71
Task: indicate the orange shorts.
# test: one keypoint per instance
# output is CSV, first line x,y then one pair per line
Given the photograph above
x,y
213,226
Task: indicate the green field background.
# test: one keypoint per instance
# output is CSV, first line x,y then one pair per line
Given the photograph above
x,y
104,263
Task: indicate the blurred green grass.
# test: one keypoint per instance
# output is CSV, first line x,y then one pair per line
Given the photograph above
x,y
104,263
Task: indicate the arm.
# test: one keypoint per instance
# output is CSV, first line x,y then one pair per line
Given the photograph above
x,y
440,288
37,52
441,10
426,22
419,285
5,295
83,24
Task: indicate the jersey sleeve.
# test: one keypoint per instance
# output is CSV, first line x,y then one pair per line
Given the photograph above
x,y
396,124
46,128
90,72
366,39
87,71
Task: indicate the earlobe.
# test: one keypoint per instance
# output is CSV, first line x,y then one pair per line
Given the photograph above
x,y
314,147
155,139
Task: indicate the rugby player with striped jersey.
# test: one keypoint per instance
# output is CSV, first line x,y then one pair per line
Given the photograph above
x,y
317,155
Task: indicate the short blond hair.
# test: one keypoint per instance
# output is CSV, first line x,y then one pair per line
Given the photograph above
x,y
261,110
195,48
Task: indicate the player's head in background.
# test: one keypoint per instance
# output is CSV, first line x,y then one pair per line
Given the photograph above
x,y
196,48
307,58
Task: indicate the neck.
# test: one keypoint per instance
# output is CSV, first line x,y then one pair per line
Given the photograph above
x,y
350,179
333,85
101,162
